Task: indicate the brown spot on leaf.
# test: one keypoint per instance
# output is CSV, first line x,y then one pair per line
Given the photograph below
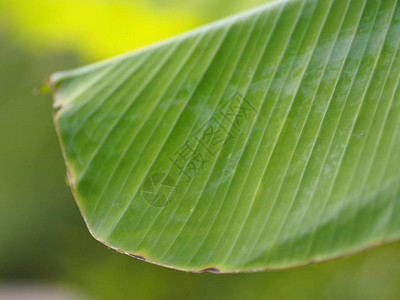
x,y
138,257
210,270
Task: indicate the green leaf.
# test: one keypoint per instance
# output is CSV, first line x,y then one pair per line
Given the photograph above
x,y
263,141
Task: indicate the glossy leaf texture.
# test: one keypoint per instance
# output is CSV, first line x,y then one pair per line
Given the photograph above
x,y
267,140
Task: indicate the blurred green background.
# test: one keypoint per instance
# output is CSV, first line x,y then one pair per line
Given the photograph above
x,y
45,248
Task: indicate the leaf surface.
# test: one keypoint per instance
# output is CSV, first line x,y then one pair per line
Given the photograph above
x,y
266,140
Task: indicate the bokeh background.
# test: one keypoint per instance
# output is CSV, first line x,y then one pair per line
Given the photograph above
x,y
46,252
